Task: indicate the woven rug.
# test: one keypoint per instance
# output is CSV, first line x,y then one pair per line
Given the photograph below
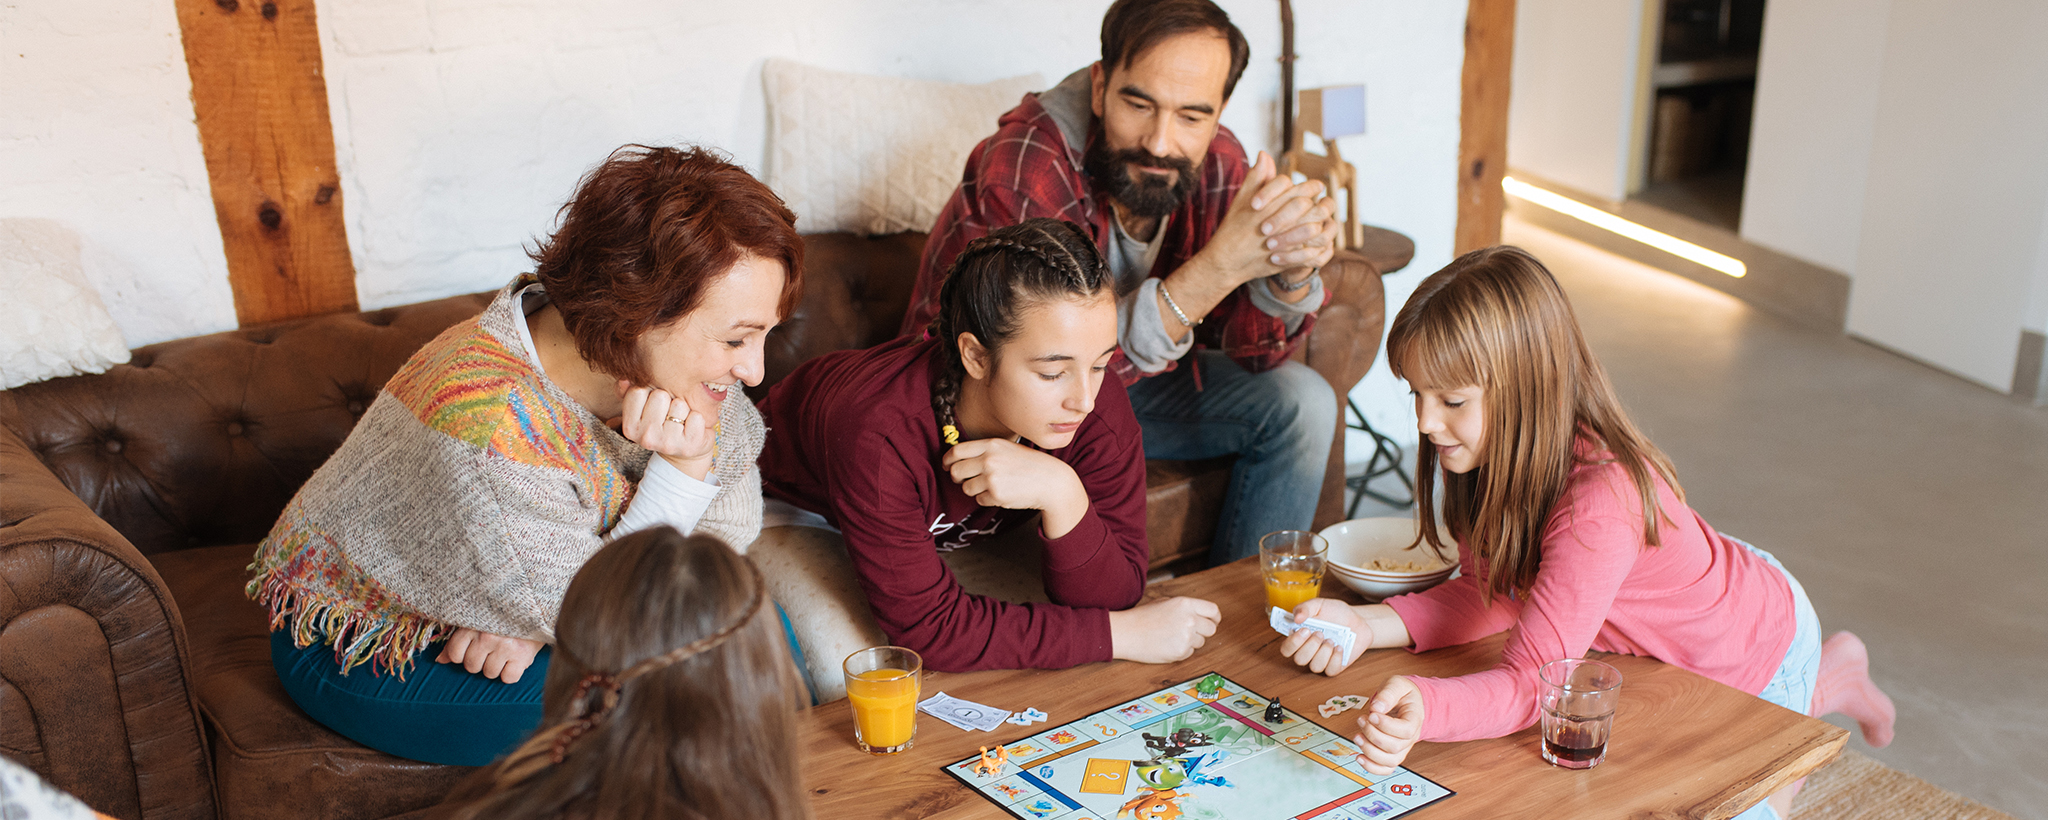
x,y
1855,787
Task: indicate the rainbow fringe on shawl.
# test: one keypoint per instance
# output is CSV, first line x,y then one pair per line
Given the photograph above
x,y
312,590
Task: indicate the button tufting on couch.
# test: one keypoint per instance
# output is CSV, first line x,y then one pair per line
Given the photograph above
x,y
135,673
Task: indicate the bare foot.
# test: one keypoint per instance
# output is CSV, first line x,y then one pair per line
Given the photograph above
x,y
1845,686
1782,801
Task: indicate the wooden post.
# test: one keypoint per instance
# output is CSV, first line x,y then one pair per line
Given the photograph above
x,y
1483,121
261,103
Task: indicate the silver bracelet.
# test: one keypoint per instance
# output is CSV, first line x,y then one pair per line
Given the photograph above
x,y
1290,287
1177,314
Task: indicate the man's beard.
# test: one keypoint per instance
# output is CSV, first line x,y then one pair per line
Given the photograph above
x,y
1144,196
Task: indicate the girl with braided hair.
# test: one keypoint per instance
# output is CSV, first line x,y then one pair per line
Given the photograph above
x,y
671,695
998,420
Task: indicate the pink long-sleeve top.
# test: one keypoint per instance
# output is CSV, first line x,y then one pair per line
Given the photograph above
x,y
1700,602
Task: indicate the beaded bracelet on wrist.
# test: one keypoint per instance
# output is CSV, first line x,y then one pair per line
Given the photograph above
x,y
1177,314
1290,287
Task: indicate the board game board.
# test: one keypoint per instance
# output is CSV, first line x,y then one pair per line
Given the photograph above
x,y
1177,754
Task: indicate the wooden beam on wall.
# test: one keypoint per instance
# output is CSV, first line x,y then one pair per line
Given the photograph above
x,y
1483,121
261,102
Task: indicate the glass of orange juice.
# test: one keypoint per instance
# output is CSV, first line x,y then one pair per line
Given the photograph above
x,y
881,683
1292,562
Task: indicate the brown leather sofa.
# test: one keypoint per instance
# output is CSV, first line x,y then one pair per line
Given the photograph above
x,y
134,672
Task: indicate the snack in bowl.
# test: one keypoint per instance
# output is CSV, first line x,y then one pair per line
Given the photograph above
x,y
1373,557
1415,566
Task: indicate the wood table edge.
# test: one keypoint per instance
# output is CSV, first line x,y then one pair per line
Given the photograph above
x,y
1803,761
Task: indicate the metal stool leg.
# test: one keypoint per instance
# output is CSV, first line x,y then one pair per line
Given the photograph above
x,y
1386,458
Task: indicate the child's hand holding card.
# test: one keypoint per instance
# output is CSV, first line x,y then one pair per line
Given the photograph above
x,y
1341,637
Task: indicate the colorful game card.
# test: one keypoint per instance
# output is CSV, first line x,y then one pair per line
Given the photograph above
x,y
1173,754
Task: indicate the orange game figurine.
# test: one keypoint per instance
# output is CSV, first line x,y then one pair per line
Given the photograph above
x,y
991,761
1153,805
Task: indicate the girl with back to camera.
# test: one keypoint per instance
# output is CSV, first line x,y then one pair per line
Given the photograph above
x,y
671,695
1575,535
918,446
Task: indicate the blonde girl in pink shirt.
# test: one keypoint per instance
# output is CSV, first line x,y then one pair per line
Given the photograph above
x,y
1575,535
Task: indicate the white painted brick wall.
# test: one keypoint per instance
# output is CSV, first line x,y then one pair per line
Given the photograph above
x,y
462,125
96,132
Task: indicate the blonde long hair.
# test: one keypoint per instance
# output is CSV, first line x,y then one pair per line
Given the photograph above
x,y
1496,318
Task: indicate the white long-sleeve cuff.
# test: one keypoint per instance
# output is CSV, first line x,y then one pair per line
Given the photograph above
x,y
667,496
1289,312
1144,338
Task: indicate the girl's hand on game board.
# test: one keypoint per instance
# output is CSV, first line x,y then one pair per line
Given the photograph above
x,y
1162,631
1392,723
493,656
1307,648
1002,473
658,421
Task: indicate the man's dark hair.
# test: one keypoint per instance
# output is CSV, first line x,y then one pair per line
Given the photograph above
x,y
1132,26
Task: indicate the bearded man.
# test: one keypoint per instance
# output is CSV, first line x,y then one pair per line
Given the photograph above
x,y
1216,261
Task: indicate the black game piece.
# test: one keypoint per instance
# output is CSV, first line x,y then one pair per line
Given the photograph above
x,y
1177,745
1273,712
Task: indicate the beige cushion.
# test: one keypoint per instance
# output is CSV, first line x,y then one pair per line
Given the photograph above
x,y
52,322
874,155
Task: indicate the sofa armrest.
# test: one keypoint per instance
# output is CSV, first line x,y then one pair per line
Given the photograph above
x,y
95,677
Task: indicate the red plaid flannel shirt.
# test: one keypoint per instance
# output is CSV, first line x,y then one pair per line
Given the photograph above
x,y
1027,169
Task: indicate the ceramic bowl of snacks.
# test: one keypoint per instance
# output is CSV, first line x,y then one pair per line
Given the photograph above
x,y
1370,555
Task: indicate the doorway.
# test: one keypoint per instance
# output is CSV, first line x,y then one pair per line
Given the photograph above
x,y
1703,88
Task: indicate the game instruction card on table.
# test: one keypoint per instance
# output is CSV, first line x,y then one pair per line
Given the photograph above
x,y
1194,750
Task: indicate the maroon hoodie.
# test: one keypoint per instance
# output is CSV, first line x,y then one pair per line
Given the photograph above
x,y
853,438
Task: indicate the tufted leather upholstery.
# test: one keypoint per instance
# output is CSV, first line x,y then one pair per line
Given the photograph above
x,y
189,452
200,442
855,292
95,692
135,674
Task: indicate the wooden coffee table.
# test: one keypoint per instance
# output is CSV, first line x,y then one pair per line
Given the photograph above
x,y
1683,745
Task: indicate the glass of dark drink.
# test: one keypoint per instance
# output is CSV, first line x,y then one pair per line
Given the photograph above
x,y
1578,698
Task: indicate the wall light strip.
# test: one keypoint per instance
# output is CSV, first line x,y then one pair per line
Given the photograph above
x,y
1602,219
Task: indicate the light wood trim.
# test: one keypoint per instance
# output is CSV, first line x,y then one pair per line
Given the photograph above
x,y
1483,121
261,104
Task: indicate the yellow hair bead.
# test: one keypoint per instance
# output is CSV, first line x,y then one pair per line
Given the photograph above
x,y
951,433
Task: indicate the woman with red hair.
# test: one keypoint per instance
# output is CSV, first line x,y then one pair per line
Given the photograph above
x,y
414,582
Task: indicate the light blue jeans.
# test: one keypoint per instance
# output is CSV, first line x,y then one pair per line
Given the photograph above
x,y
1792,687
1278,423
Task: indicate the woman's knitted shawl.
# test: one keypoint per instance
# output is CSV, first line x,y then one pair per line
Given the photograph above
x,y
469,494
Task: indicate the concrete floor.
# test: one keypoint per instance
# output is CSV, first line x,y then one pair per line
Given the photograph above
x,y
1911,505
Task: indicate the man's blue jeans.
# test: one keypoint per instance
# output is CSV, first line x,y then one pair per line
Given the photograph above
x,y
1279,424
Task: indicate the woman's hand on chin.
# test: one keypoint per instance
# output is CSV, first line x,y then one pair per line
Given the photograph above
x,y
659,421
492,656
1002,473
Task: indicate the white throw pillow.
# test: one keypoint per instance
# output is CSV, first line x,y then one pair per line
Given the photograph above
x,y
874,155
52,322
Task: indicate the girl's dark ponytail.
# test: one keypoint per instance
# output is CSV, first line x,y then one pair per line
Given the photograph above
x,y
1038,258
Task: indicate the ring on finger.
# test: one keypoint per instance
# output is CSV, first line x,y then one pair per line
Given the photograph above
x,y
676,420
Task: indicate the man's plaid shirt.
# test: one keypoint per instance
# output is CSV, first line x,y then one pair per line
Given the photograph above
x,y
1027,169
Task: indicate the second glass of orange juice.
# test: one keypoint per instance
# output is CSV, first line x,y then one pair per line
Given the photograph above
x,y
881,685
1292,563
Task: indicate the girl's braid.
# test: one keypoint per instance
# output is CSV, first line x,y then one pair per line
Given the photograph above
x,y
1038,239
